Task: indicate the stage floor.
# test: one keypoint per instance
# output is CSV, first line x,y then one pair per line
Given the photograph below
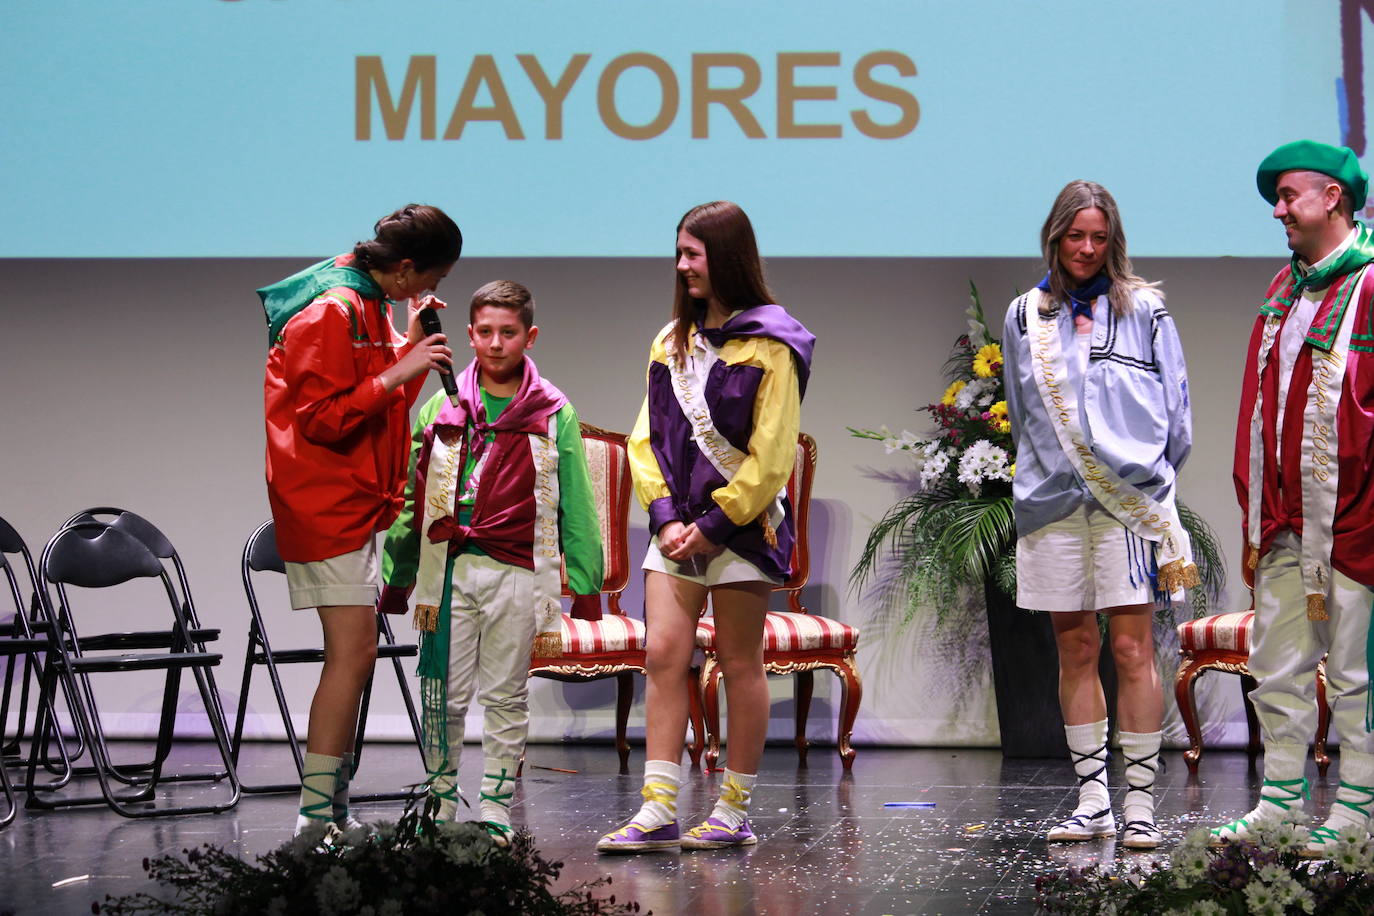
x,y
828,844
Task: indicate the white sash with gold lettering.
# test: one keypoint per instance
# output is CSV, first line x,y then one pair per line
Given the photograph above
x,y
724,457
441,489
1146,517
547,551
1255,496
1320,469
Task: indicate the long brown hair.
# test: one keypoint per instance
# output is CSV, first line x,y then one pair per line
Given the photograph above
x,y
732,263
1076,196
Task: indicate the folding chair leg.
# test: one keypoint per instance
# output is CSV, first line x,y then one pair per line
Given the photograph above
x,y
11,748
12,806
384,627
293,742
236,742
400,795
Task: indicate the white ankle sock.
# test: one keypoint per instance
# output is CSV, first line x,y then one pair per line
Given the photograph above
x,y
1088,746
736,790
443,781
498,787
340,800
319,774
1141,750
1355,797
661,781
1284,786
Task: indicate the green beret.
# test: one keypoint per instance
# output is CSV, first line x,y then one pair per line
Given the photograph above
x,y
1337,161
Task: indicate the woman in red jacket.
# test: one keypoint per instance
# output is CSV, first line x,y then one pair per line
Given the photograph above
x,y
340,381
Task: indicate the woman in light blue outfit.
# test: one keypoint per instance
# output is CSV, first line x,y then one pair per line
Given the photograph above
x,y
1097,394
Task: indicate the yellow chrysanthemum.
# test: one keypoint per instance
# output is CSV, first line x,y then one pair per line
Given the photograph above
x,y
998,410
951,392
1012,470
1003,426
987,362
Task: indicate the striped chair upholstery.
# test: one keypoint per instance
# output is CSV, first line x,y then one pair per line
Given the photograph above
x,y
1221,632
785,631
1221,642
796,641
612,646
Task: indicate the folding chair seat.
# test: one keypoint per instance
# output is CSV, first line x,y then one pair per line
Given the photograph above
x,y
1221,642
599,645
27,623
796,641
260,556
95,557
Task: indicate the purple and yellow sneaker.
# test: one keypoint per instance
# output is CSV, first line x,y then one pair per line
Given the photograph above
x,y
634,838
713,833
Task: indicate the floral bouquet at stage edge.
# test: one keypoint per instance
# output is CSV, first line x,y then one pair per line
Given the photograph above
x,y
957,530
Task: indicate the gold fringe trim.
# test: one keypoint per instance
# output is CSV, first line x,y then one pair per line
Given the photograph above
x,y
547,645
1252,559
1316,607
1174,576
426,618
770,536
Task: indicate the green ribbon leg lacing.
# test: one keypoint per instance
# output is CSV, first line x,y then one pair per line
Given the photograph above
x,y
322,810
497,797
1323,835
1285,801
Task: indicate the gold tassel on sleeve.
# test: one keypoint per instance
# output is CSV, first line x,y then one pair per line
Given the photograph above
x,y
770,536
1174,576
547,645
426,618
1316,607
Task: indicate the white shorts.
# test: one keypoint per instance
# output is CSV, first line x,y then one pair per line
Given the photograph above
x,y
349,579
1086,562
725,567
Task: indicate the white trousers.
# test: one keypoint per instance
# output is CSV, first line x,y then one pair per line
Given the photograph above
x,y
491,634
1287,646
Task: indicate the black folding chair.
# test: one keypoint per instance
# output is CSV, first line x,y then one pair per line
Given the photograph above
x,y
27,623
12,647
260,555
161,547
95,556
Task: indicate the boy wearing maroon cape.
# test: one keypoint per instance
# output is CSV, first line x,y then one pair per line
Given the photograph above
x,y
498,493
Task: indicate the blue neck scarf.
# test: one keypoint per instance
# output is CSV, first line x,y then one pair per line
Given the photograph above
x,y
1082,299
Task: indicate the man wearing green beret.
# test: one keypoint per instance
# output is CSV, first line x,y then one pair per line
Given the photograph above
x,y
1304,472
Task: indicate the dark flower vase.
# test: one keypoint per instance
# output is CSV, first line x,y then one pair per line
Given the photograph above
x,y
1025,677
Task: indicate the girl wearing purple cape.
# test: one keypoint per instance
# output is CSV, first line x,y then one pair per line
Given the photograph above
x,y
710,457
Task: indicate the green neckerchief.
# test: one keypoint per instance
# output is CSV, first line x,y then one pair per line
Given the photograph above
x,y
284,299
1360,253
1343,271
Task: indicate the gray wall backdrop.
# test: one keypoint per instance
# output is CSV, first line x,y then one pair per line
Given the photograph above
x,y
138,384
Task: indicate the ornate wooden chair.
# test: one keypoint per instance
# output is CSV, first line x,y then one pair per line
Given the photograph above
x,y
597,645
1221,642
795,641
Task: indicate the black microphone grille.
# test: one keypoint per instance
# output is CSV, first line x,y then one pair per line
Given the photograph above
x,y
429,321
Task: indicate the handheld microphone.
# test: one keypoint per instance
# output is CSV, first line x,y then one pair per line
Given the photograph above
x,y
429,323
